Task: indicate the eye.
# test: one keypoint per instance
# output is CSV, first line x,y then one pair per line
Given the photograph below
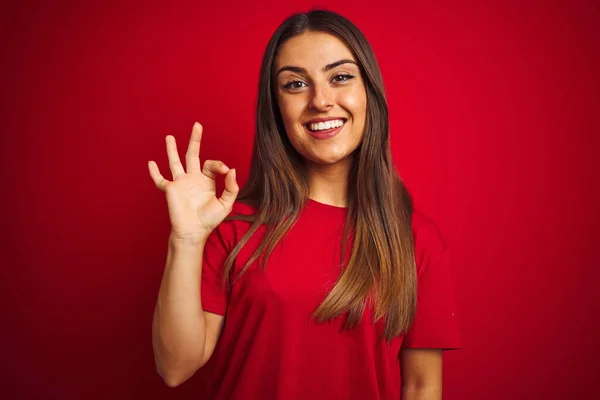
x,y
342,78
294,85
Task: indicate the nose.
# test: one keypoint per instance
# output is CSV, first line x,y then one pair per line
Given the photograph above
x,y
322,97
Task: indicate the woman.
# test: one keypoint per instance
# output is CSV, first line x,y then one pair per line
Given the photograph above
x,y
309,288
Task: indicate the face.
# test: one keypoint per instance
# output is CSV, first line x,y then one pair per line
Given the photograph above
x,y
321,96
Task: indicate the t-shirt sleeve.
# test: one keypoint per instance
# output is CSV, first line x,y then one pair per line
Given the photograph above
x,y
435,325
213,294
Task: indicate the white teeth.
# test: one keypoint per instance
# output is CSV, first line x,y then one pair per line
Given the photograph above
x,y
320,126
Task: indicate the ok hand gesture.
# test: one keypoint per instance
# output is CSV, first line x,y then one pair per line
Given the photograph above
x,y
194,209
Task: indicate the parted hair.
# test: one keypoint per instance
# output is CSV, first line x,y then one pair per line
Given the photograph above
x,y
380,270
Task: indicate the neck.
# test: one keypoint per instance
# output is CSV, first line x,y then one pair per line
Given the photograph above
x,y
328,183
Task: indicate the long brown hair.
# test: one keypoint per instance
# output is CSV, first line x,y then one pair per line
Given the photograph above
x,y
381,266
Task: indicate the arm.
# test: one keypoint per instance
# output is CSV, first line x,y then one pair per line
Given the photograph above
x,y
421,374
183,335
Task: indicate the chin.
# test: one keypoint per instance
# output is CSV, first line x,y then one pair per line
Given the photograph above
x,y
324,160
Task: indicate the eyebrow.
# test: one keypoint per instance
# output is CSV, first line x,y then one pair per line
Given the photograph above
x,y
326,68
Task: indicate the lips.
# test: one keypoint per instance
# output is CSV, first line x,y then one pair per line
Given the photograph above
x,y
317,120
325,133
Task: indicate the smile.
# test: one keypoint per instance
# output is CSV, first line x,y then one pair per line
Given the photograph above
x,y
325,130
321,126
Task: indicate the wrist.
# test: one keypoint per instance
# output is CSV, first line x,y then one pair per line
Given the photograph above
x,y
191,241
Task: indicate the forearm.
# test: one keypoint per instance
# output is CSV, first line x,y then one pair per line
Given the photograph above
x,y
421,393
178,327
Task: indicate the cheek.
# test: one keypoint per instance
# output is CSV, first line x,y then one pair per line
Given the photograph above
x,y
290,114
355,102
291,109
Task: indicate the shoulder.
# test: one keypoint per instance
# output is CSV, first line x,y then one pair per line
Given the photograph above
x,y
426,230
430,243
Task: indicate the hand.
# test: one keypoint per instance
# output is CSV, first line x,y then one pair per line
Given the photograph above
x,y
194,209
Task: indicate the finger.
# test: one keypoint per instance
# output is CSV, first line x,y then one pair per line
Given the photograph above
x,y
174,162
231,190
192,157
158,179
212,168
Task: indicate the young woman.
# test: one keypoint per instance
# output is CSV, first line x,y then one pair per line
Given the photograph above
x,y
319,281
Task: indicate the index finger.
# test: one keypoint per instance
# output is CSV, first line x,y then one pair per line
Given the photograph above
x,y
192,156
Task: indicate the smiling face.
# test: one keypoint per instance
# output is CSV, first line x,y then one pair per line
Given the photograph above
x,y
321,96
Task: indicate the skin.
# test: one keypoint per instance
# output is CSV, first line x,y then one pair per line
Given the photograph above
x,y
338,92
183,334
301,96
315,93
421,374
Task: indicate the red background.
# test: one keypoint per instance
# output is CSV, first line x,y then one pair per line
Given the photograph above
x,y
494,115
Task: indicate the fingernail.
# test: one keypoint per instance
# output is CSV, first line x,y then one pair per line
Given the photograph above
x,y
233,173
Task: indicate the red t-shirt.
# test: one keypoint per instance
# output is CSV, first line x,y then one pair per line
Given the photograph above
x,y
270,348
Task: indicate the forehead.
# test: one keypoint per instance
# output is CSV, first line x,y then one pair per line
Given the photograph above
x,y
312,50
